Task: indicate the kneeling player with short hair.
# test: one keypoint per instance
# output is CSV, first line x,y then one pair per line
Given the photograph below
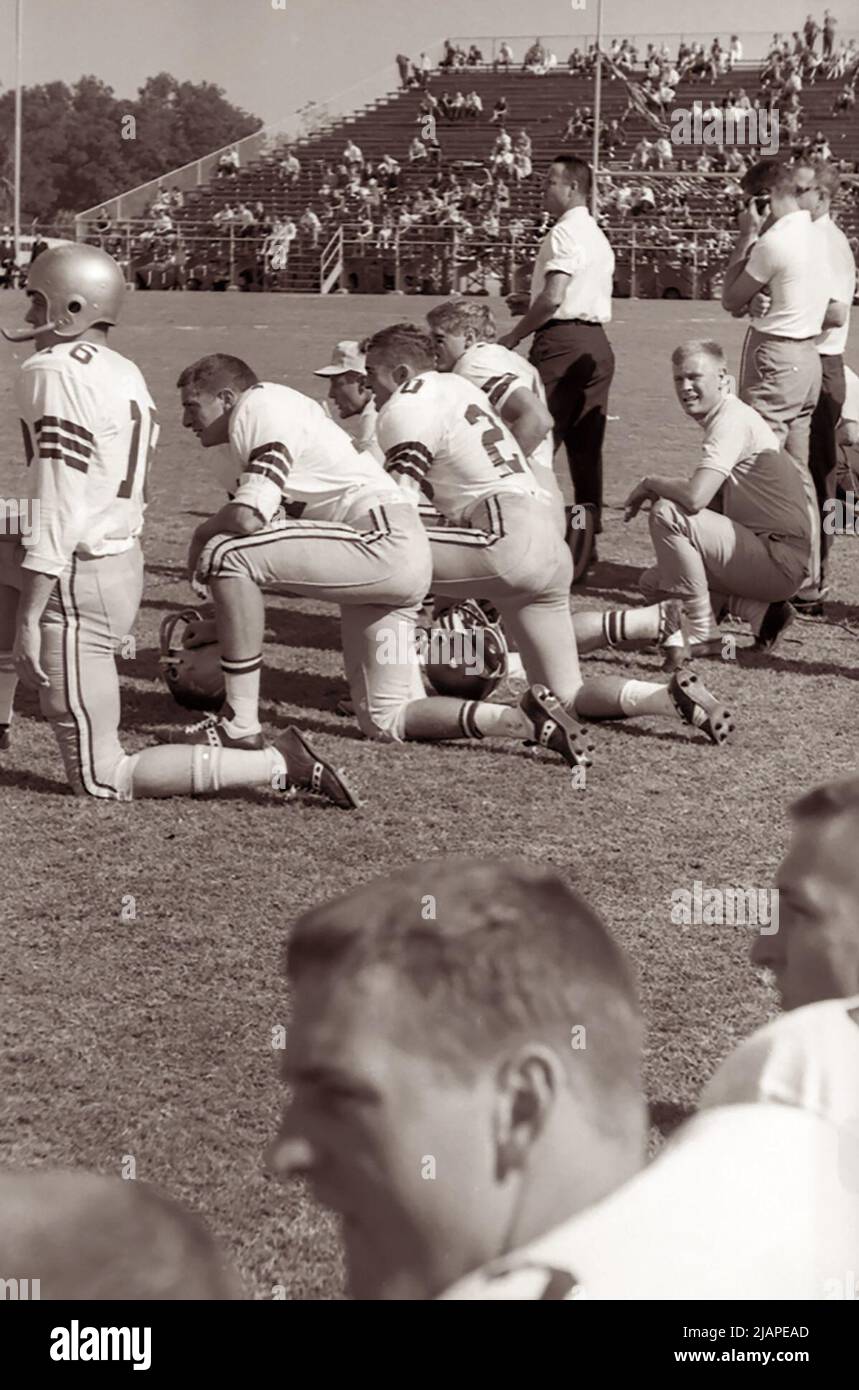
x,y
70,590
441,442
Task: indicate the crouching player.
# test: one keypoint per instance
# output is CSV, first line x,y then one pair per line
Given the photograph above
x,y
70,590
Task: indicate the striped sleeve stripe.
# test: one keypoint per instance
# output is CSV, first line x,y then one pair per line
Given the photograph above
x,y
273,471
51,439
411,451
56,422
408,470
279,451
498,386
61,456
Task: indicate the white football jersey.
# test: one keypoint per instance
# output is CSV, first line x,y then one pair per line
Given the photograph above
x,y
442,441
807,1057
744,1202
88,423
290,454
499,372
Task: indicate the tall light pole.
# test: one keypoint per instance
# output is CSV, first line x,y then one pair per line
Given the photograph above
x,y
595,162
19,38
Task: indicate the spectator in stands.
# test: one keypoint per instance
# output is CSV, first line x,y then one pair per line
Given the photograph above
x,y
829,23
642,154
417,151
475,57
535,58
522,167
820,148
457,107
735,53
473,105
504,59
523,143
403,68
449,55
352,156
310,225
228,164
290,168
499,112
810,31
663,153
845,101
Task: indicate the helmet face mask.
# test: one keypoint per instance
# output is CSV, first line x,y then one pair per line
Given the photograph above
x,y
79,285
193,674
465,656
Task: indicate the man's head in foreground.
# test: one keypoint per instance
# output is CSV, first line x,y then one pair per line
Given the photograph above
x,y
85,1236
464,1066
700,376
347,379
814,955
394,356
456,326
211,388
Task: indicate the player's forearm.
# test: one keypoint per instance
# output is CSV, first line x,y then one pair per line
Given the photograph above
x,y
544,307
36,589
231,520
673,490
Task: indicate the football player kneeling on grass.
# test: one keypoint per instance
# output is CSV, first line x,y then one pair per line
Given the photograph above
x,y
71,588
442,441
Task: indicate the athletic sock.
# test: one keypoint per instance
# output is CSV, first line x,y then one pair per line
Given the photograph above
x,y
698,611
8,684
751,610
242,680
631,624
644,697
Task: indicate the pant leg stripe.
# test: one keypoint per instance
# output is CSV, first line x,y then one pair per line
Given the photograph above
x,y
72,672
327,531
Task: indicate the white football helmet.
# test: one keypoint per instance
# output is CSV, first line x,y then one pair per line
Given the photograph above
x,y
80,284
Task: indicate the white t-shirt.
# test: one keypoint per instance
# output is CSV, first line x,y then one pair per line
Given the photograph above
x,y
789,261
842,265
444,444
290,454
808,1057
579,248
744,1202
88,423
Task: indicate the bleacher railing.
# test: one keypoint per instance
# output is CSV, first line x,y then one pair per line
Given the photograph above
x,y
756,43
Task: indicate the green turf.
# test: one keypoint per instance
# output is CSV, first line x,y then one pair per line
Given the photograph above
x,y
152,1036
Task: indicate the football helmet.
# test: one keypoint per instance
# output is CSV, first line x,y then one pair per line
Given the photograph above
x,y
193,674
464,653
81,285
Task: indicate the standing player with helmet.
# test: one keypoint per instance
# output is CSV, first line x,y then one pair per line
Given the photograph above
x,y
70,591
440,441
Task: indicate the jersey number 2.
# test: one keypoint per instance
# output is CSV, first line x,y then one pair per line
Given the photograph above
x,y
136,455
489,439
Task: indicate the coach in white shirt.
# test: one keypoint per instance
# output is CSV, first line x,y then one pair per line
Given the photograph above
x,y
571,293
350,395
780,372
819,183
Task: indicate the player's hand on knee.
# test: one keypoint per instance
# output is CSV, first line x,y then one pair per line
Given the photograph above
x,y
27,657
636,500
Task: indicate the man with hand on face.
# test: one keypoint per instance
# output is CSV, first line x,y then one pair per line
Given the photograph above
x,y
351,397
748,559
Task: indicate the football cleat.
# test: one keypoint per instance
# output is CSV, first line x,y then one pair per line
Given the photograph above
x,y
308,771
213,731
5,740
555,728
696,706
777,620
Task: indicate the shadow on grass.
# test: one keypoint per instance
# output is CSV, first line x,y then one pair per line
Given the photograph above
x,y
32,782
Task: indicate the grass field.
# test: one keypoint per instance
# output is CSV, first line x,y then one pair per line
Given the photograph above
x,y
144,1028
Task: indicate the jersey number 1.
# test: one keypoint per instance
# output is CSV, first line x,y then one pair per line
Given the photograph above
x,y
136,455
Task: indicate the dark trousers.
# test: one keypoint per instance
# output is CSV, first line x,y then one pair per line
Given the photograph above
x,y
823,449
576,365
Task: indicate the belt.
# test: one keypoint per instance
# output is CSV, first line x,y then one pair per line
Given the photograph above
x,y
584,323
782,338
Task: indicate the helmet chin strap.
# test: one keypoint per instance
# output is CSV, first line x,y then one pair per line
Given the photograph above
x,y
26,335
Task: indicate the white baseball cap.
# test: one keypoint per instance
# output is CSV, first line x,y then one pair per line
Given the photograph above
x,y
346,357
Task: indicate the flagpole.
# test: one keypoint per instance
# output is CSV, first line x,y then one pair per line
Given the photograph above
x,y
595,162
19,37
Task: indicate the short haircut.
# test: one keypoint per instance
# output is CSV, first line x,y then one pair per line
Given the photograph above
x,y
577,171
86,1236
828,801
492,954
695,345
212,373
403,342
771,175
459,315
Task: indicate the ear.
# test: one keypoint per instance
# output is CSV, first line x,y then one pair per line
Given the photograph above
x,y
528,1084
400,373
